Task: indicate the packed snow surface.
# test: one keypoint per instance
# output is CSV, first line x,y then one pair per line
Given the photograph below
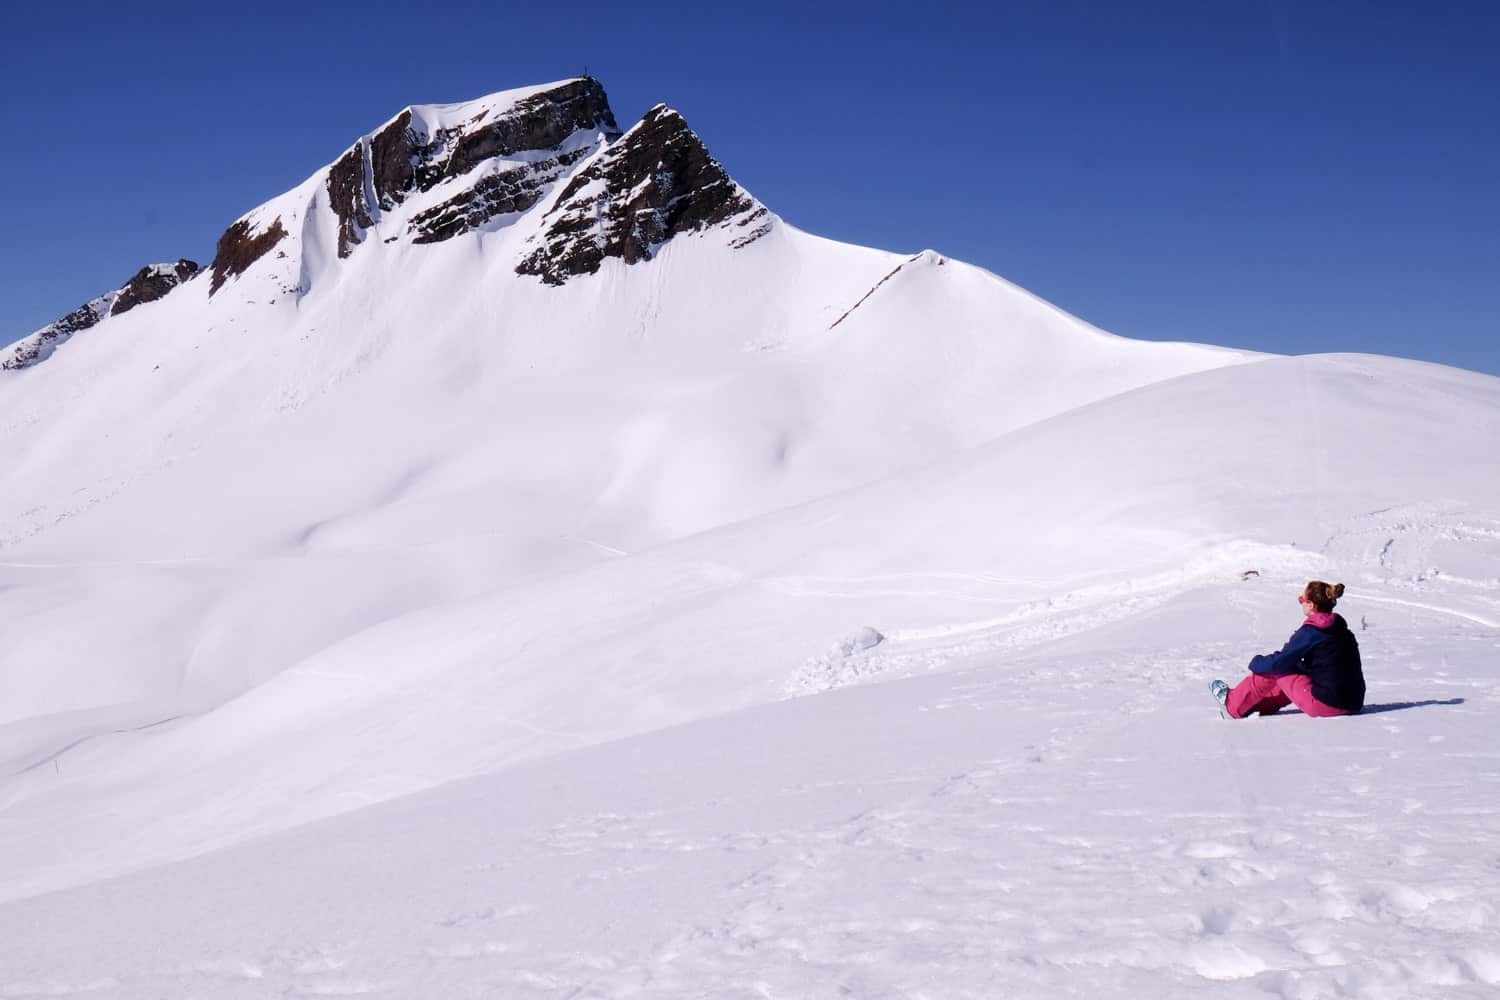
x,y
793,621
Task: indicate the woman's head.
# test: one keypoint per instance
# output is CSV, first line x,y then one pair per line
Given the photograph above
x,y
1320,596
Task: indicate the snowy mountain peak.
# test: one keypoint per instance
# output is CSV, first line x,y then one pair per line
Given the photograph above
x,y
656,182
429,174
546,164
436,172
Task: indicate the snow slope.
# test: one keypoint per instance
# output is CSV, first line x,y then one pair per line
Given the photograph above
x,y
781,619
364,448
1036,799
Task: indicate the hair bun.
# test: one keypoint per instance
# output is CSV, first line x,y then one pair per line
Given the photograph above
x,y
1336,591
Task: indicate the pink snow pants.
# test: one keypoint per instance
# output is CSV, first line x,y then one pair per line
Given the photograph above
x,y
1266,693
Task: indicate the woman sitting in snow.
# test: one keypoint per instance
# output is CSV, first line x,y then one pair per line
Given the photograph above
x,y
1318,670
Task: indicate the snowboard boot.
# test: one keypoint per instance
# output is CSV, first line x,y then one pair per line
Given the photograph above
x,y
1220,691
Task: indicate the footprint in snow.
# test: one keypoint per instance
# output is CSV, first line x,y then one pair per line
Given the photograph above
x,y
1216,921
1208,850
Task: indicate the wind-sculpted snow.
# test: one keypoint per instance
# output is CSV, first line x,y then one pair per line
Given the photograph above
x,y
411,677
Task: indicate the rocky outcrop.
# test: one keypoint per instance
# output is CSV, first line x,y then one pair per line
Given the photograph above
x,y
657,182
539,122
151,283
241,246
403,158
346,193
39,346
486,160
513,190
393,160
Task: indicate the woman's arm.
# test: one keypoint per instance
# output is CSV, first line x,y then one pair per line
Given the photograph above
x,y
1288,659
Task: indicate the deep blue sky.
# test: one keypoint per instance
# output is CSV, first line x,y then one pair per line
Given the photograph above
x,y
1272,174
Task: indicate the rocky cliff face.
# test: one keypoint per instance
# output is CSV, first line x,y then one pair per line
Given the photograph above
x,y
655,183
514,190
149,284
622,196
240,246
408,156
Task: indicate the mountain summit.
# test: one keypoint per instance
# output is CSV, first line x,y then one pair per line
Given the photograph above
x,y
436,172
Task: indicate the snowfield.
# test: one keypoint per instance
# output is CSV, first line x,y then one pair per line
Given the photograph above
x,y
798,620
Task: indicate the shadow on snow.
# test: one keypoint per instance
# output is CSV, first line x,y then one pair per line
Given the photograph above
x,y
1397,706
1390,706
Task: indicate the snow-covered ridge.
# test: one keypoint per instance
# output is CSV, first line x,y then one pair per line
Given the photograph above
x,y
147,285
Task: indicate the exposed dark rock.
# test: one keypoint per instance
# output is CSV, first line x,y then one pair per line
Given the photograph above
x,y
875,288
400,159
346,193
239,248
81,318
514,190
151,283
657,182
542,121
392,166
40,345
148,285
760,219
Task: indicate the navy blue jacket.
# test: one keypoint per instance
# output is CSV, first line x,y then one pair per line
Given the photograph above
x,y
1330,659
